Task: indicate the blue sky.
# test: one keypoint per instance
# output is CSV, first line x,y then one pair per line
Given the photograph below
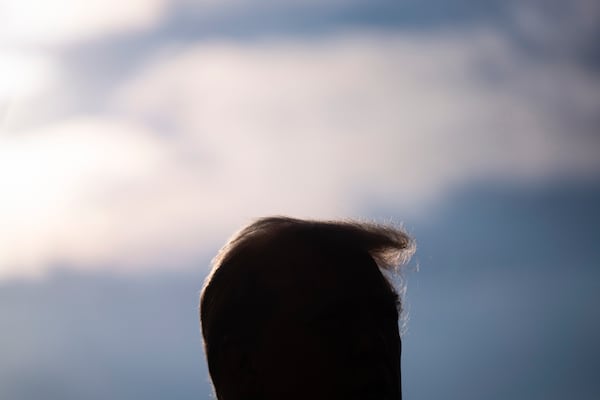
x,y
136,136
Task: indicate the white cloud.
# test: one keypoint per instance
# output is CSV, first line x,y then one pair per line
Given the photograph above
x,y
403,116
224,132
52,184
70,21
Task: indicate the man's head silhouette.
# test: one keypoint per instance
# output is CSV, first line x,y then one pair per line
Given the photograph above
x,y
298,309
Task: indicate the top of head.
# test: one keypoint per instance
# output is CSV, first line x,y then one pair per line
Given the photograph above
x,y
298,308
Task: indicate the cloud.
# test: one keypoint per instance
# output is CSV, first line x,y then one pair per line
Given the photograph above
x,y
52,183
23,74
404,116
208,136
563,28
72,21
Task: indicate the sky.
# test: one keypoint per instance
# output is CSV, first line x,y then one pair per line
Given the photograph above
x,y
136,136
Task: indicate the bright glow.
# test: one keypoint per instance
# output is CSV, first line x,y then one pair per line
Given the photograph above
x,y
46,177
23,74
67,21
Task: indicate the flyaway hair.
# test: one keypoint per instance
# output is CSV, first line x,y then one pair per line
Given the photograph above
x,y
389,246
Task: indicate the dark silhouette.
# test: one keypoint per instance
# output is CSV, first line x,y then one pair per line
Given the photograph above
x,y
298,309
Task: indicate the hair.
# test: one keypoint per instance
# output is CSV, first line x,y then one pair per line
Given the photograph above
x,y
237,292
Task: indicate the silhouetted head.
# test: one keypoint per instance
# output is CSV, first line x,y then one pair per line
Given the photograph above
x,y
299,309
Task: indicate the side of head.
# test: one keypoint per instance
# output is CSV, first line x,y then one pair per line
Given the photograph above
x,y
300,309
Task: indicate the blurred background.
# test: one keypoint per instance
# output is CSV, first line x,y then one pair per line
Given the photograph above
x,y
136,136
